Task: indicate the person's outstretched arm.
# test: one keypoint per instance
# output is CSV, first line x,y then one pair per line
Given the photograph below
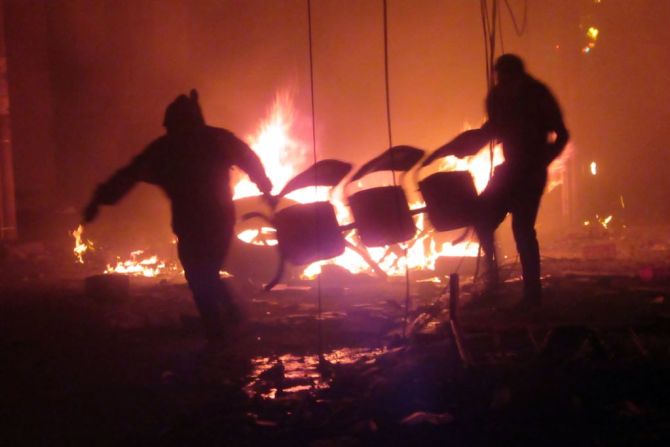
x,y
247,160
121,182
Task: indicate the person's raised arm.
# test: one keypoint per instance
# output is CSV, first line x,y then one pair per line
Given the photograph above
x,y
120,183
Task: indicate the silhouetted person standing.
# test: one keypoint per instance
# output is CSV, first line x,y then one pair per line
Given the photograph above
x,y
525,117
191,163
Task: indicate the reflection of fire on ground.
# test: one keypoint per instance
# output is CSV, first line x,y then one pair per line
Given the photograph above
x,y
283,156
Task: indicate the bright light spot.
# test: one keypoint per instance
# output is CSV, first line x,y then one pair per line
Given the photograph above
x,y
594,168
604,221
592,33
264,236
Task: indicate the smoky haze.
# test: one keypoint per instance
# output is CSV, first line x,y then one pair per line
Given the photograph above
x,y
89,81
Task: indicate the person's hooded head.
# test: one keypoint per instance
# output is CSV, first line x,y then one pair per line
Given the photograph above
x,y
184,114
509,69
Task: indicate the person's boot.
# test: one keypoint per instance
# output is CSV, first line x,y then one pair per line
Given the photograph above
x,y
488,294
532,298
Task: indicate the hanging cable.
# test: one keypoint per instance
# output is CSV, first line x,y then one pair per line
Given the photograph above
x,y
489,32
387,88
319,327
390,142
500,34
492,39
519,30
485,29
492,55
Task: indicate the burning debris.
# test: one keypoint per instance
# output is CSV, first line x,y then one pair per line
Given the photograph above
x,y
138,264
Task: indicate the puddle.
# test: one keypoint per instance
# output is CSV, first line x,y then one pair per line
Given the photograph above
x,y
287,374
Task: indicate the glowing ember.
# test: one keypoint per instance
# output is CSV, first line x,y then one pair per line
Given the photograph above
x,y
80,246
138,265
604,221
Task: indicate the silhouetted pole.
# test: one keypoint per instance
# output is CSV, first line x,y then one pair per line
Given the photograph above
x,y
7,194
454,289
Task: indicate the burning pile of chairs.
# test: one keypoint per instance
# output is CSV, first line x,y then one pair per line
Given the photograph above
x,y
310,232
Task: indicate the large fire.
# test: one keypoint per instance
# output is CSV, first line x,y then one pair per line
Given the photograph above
x,y
283,156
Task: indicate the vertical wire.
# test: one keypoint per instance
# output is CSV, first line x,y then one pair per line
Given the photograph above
x,y
492,55
390,142
316,220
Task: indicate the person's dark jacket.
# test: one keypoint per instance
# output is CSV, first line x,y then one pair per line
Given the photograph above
x,y
193,169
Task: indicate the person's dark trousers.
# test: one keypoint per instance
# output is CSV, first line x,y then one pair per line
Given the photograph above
x,y
520,195
202,259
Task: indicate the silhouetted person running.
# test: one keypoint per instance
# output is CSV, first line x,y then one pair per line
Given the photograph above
x,y
191,163
523,115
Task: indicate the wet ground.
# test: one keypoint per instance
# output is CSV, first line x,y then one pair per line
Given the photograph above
x,y
589,368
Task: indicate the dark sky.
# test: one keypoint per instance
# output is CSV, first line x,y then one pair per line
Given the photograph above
x,y
89,80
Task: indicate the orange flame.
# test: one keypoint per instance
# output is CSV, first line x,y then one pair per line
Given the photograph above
x,y
80,246
281,154
149,267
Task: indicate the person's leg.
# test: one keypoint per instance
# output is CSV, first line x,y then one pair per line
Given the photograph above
x,y
225,296
485,233
201,269
525,206
493,207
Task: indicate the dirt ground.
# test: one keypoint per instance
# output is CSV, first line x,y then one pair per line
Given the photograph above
x,y
589,368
